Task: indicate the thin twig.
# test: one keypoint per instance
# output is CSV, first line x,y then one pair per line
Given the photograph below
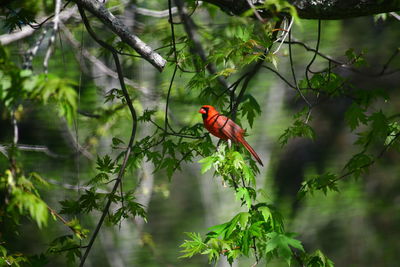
x,y
37,26
175,69
65,222
75,187
315,54
155,13
98,63
395,53
33,148
347,65
380,155
255,11
281,77
131,139
284,35
295,79
256,67
190,28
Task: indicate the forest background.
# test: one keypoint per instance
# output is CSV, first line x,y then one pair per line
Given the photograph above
x,y
104,160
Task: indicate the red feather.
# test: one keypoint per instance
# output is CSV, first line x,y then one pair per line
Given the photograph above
x,y
225,128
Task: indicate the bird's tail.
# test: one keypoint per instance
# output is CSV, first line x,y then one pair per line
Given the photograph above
x,y
251,150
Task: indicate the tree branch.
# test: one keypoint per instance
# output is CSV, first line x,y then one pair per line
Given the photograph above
x,y
190,28
322,9
95,61
342,9
27,31
154,13
117,26
131,139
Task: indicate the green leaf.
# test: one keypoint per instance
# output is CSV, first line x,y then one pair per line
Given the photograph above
x,y
325,182
100,178
282,243
380,126
217,230
250,108
232,225
207,163
359,164
243,219
394,129
117,141
105,164
248,175
244,195
147,114
355,115
70,207
318,259
299,129
266,212
27,202
192,246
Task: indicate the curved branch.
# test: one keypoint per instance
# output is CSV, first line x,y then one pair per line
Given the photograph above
x,y
128,100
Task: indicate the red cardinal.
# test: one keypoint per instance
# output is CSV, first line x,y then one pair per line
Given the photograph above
x,y
225,128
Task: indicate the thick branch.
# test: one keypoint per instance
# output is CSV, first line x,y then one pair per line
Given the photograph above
x,y
100,11
342,9
320,9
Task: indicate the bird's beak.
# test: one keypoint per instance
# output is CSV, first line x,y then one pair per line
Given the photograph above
x,y
202,111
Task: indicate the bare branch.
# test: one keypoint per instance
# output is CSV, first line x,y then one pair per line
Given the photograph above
x,y
155,13
30,54
74,143
117,26
27,31
75,187
295,79
95,61
395,15
50,48
32,148
284,35
255,11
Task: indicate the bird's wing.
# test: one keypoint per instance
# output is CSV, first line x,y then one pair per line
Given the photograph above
x,y
229,128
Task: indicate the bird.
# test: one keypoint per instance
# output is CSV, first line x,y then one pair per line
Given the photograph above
x,y
225,128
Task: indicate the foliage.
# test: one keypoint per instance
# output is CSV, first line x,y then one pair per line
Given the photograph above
x,y
221,72
260,229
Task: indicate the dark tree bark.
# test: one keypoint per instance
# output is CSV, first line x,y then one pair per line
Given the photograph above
x,y
320,9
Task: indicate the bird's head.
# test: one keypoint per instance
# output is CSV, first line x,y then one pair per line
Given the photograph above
x,y
206,110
